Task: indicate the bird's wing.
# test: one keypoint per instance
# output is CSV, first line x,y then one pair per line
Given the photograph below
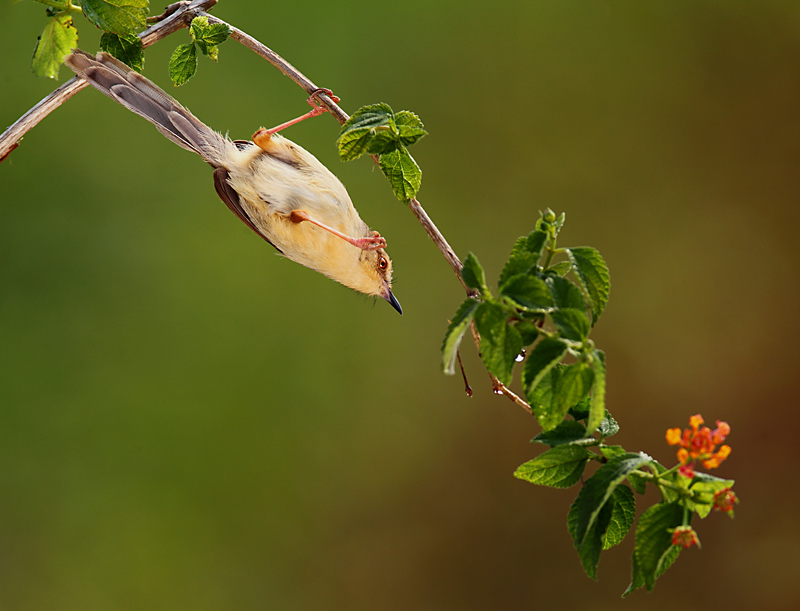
x,y
231,198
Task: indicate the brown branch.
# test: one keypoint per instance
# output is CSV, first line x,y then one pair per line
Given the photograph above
x,y
173,19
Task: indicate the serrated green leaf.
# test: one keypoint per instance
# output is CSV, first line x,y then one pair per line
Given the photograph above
x,y
544,356
56,4
117,16
704,487
573,385
569,431
561,388
637,579
653,548
403,173
592,544
527,292
572,323
455,333
580,411
55,42
500,342
409,127
518,263
183,64
473,275
608,426
535,242
566,294
359,133
560,467
593,273
560,269
597,407
208,35
529,330
622,516
127,48
599,488
611,451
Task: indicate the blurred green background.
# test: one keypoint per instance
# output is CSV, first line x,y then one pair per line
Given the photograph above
x,y
188,421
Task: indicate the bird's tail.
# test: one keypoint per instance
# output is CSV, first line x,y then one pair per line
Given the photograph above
x,y
145,98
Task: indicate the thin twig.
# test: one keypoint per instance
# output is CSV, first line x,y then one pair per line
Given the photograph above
x,y
174,20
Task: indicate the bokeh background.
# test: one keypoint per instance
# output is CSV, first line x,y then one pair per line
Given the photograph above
x,y
188,421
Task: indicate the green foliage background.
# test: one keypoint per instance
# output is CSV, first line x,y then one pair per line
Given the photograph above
x,y
188,421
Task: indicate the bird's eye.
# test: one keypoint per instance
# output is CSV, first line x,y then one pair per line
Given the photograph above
x,y
383,263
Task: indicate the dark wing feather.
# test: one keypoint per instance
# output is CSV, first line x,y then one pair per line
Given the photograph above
x,y
231,198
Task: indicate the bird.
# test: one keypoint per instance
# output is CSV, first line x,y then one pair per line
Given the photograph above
x,y
277,188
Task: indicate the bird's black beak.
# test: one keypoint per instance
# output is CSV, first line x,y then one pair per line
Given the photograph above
x,y
389,296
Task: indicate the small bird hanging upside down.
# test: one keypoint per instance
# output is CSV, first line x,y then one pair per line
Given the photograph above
x,y
277,188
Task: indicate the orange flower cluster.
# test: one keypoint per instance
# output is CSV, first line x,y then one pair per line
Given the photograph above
x,y
724,500
685,536
699,443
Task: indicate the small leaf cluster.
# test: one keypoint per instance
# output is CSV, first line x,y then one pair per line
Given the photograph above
x,y
120,21
206,37
377,130
545,304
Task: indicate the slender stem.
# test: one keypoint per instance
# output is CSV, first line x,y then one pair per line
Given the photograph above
x,y
173,21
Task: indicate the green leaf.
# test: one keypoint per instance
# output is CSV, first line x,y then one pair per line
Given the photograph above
x,y
529,330
637,580
566,294
183,64
593,272
55,42
455,333
544,356
535,242
704,487
653,549
592,544
608,426
560,389
569,431
572,386
611,451
518,263
599,488
208,35
580,411
562,268
126,48
473,275
403,173
572,323
597,407
527,292
500,342
623,513
409,127
360,130
117,16
560,467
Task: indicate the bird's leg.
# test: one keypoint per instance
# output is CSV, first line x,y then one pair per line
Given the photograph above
x,y
373,242
316,110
